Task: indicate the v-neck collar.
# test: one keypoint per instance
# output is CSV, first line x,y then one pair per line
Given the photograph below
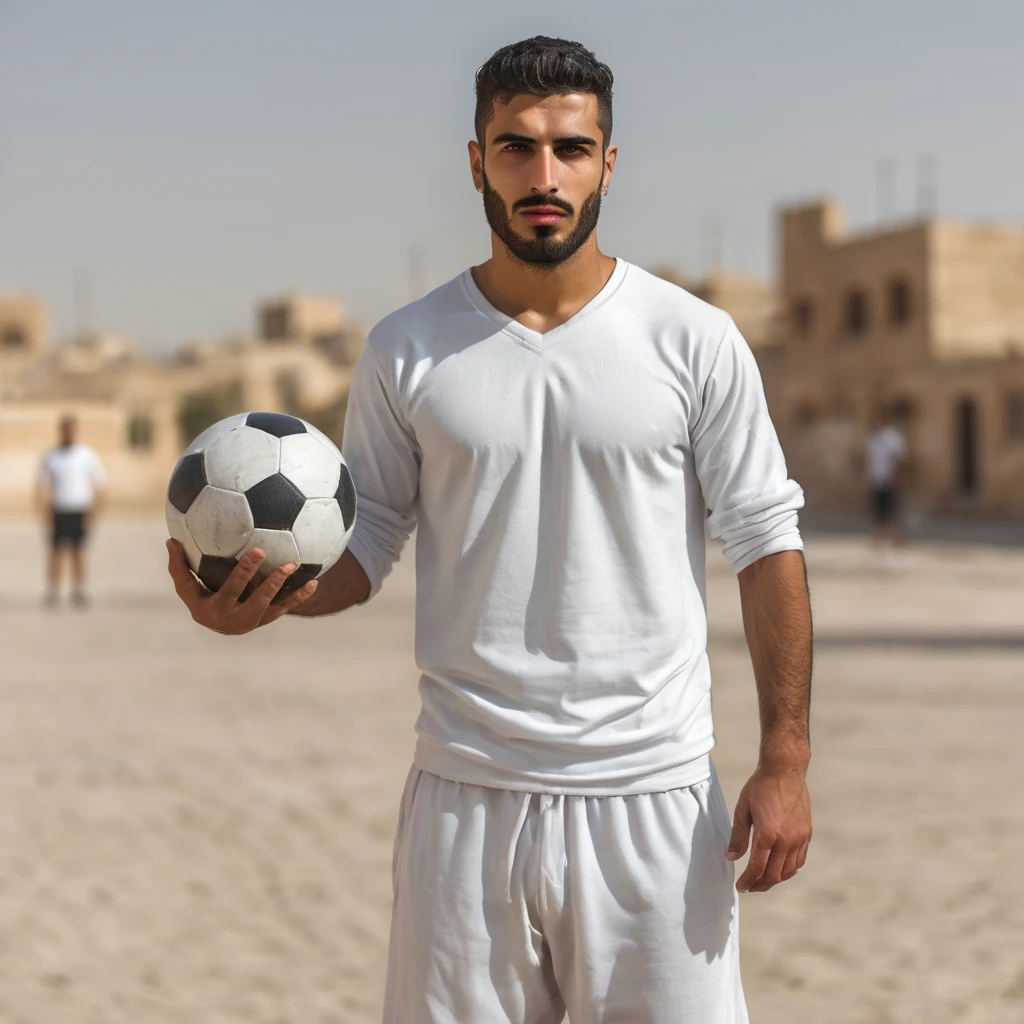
x,y
534,339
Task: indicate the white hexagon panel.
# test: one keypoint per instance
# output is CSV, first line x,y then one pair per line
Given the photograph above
x,y
278,545
219,521
310,465
241,458
320,533
324,439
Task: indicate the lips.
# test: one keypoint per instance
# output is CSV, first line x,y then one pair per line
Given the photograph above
x,y
542,215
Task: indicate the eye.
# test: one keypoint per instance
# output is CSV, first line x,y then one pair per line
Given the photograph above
x,y
513,147
572,149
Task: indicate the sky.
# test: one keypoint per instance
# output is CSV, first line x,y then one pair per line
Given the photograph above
x,y
180,161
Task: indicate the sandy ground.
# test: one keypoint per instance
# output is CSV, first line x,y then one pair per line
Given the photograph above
x,y
199,828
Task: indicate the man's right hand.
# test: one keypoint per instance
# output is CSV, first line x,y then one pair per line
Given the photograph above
x,y
223,611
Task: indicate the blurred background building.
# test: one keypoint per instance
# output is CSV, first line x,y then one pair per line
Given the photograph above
x,y
923,318
138,413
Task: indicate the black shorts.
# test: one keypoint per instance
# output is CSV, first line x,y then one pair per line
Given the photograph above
x,y
884,504
68,528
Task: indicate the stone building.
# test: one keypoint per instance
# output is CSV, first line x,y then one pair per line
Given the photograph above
x,y
139,413
925,318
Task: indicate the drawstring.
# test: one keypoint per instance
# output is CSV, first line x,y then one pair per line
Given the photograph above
x,y
517,831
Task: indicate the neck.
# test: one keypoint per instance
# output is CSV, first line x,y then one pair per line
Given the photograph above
x,y
515,287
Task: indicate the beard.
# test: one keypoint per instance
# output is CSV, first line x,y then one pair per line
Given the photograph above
x,y
543,250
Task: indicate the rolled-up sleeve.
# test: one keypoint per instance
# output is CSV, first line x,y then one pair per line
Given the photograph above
x,y
752,504
384,460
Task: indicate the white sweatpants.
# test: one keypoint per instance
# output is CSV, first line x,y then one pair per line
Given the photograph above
x,y
518,907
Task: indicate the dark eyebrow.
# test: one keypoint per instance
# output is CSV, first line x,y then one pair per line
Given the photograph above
x,y
511,137
566,140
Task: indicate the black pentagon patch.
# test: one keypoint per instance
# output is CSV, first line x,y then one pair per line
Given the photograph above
x,y
275,502
276,423
346,497
301,576
213,573
187,480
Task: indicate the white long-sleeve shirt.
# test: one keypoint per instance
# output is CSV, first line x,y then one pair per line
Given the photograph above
x,y
559,484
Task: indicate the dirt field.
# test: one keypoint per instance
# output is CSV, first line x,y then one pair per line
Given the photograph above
x,y
198,828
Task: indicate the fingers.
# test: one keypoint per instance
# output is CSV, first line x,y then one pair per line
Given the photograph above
x,y
773,869
258,604
223,611
740,829
759,854
802,858
293,600
792,865
240,576
186,586
783,862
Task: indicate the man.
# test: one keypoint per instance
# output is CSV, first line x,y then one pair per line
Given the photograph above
x,y
884,455
555,422
69,492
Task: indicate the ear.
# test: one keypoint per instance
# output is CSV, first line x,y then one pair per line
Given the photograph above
x,y
476,165
610,155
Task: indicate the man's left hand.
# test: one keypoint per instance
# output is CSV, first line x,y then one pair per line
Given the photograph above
x,y
778,806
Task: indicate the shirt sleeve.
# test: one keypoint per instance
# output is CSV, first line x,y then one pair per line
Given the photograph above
x,y
752,504
384,461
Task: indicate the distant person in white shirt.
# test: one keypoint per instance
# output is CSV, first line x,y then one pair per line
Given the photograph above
x,y
556,423
69,494
885,453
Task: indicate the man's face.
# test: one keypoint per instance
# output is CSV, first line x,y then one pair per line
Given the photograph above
x,y
542,172
67,432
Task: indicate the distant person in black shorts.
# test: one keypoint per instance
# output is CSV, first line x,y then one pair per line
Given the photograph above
x,y
69,491
884,454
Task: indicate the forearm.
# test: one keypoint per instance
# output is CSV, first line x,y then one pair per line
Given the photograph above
x,y
343,585
777,622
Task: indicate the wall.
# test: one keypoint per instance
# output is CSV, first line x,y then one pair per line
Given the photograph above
x,y
977,294
137,477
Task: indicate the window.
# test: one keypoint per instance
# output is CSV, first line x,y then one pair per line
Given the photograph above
x,y
12,337
140,432
856,312
803,318
276,323
899,301
806,415
1015,416
902,409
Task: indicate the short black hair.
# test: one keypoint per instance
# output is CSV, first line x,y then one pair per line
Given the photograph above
x,y
542,66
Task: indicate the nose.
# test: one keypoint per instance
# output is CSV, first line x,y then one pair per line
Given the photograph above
x,y
544,177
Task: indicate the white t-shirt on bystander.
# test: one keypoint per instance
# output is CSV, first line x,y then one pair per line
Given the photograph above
x,y
885,449
73,474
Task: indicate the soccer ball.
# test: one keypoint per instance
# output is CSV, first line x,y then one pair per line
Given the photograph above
x,y
266,480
